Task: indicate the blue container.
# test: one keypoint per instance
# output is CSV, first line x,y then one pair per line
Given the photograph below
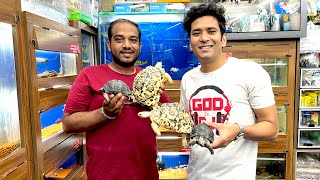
x,y
174,159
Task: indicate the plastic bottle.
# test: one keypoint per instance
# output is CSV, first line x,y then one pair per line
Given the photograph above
x,y
306,119
307,100
313,99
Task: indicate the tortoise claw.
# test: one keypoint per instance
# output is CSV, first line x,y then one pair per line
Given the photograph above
x,y
144,114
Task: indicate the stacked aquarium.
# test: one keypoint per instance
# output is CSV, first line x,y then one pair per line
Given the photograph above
x,y
308,124
163,40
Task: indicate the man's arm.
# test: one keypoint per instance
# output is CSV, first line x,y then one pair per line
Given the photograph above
x,y
266,128
82,121
85,121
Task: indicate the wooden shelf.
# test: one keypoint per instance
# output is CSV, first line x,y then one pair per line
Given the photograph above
x,y
52,98
48,83
55,139
60,152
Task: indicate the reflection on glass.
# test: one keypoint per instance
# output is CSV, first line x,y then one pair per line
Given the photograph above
x,y
282,119
88,55
271,166
68,64
51,64
309,138
9,112
262,15
277,69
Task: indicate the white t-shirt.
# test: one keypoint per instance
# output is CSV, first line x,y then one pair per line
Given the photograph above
x,y
226,95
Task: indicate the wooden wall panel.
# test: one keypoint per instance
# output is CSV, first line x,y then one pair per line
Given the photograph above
x,y
7,8
273,147
49,24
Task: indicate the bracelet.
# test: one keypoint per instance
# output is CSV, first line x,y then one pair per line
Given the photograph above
x,y
241,132
105,115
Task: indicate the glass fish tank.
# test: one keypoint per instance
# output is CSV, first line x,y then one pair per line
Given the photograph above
x,y
259,19
51,122
53,64
163,40
277,69
9,108
308,138
271,166
88,55
282,119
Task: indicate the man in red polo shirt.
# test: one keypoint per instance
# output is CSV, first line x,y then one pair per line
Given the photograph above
x,y
120,145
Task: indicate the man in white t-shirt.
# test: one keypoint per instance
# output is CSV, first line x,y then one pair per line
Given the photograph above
x,y
232,96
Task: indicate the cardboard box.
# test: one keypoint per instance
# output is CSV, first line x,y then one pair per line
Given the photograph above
x,y
173,1
106,6
131,7
167,7
131,1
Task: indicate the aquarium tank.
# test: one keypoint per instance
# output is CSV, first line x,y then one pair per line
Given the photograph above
x,y
163,40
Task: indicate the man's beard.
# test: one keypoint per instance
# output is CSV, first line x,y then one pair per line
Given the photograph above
x,y
123,64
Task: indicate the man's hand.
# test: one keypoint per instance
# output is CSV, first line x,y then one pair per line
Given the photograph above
x,y
113,106
227,133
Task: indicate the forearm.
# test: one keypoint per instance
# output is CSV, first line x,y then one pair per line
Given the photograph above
x,y
262,131
83,121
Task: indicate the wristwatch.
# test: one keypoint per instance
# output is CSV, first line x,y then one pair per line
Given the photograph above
x,y
241,132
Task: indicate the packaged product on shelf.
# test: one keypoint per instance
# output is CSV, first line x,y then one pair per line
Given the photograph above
x,y
131,7
80,10
313,99
307,101
314,117
306,118
167,7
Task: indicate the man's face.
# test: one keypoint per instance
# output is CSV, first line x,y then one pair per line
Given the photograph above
x,y
205,39
124,44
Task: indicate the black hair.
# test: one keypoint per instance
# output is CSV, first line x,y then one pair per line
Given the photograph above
x,y
207,9
126,21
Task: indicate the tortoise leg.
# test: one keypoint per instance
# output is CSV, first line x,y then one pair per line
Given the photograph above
x,y
168,78
208,145
155,128
184,140
105,95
